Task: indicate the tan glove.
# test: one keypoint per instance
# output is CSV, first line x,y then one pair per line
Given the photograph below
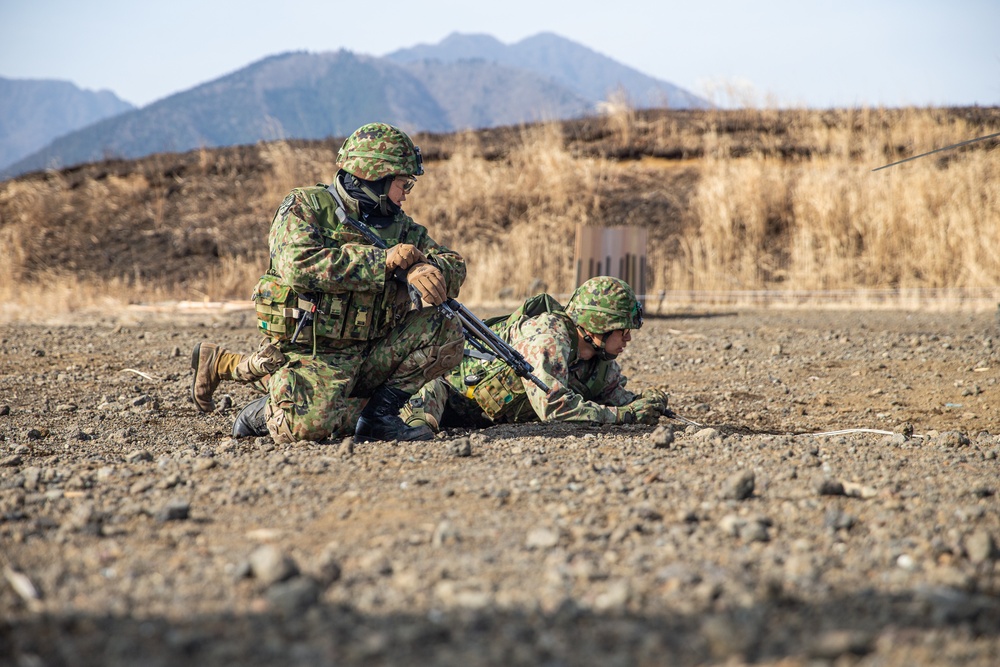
x,y
402,256
644,410
430,281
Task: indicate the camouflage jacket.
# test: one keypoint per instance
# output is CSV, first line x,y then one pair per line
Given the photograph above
x,y
587,391
313,255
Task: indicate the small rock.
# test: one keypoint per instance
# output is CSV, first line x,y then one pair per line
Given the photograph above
x,y
377,563
85,518
204,464
4,410
952,439
980,547
754,531
854,490
176,509
138,455
10,461
445,533
141,486
32,477
139,401
346,447
294,596
829,487
541,538
838,520
663,436
834,643
739,486
460,447
615,597
270,565
731,525
327,568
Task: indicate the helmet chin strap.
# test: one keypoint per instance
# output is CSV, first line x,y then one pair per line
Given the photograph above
x,y
382,199
599,350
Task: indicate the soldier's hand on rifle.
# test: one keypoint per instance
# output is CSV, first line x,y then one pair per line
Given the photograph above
x,y
402,256
657,394
430,281
643,410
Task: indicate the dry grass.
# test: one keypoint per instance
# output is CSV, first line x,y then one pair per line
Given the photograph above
x,y
830,223
773,201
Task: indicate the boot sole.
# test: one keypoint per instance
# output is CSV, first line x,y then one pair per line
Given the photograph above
x,y
371,438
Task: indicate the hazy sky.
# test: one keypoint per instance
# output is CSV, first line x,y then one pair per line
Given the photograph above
x,y
791,52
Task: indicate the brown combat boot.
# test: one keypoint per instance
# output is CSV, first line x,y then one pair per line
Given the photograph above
x,y
211,365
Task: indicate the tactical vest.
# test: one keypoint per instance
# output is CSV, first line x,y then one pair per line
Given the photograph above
x,y
340,318
497,389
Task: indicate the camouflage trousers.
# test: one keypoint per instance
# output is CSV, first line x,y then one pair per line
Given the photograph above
x,y
314,396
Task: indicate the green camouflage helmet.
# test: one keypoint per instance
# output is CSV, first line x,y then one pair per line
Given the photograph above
x,y
603,304
377,150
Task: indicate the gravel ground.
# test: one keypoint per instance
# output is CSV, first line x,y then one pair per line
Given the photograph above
x,y
135,531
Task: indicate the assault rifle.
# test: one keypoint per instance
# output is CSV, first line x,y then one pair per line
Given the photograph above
x,y
476,332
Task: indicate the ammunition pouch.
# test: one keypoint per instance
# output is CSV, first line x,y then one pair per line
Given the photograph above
x,y
496,390
339,318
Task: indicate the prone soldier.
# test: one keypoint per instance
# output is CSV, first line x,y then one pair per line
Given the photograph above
x,y
573,352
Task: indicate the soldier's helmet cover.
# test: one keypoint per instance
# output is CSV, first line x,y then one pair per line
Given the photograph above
x,y
603,304
377,150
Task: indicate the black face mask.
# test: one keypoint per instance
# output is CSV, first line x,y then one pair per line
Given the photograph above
x,y
376,209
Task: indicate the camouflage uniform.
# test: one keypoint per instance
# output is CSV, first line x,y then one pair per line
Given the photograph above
x,y
364,334
480,393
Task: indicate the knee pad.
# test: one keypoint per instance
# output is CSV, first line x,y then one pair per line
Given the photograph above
x,y
443,358
277,425
263,362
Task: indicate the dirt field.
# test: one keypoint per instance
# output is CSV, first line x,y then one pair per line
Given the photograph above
x,y
135,531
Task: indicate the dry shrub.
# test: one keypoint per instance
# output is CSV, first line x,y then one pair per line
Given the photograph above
x,y
289,168
832,223
620,116
231,275
53,294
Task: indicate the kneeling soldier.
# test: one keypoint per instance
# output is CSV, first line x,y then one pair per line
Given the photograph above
x,y
336,311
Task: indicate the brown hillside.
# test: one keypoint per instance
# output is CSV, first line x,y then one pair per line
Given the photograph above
x,y
194,225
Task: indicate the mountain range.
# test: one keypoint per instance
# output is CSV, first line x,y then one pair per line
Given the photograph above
x,y
34,112
463,82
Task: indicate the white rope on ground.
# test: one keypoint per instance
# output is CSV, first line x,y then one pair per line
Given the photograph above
x,y
821,434
145,375
847,430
